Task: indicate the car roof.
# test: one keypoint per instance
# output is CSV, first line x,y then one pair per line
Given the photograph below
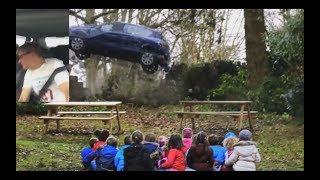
x,y
39,23
142,26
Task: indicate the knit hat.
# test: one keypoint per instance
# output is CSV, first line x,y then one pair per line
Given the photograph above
x,y
187,133
229,135
245,135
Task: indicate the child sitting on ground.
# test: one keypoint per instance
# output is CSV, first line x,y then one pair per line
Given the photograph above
x,y
150,142
104,157
200,155
136,157
176,156
86,151
245,153
162,141
230,139
102,137
152,148
218,151
187,137
119,159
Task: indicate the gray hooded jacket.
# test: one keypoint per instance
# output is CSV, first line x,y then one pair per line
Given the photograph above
x,y
244,156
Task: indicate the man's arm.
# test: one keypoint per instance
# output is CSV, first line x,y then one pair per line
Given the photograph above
x,y
64,88
25,94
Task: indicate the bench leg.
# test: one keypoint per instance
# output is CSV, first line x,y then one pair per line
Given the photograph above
x,y
46,125
58,125
110,126
249,119
193,124
181,123
241,117
118,121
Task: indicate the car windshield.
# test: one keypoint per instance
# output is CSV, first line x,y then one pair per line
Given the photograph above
x,y
138,31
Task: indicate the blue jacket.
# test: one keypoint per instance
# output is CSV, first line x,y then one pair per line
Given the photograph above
x,y
84,155
150,146
119,158
104,157
218,154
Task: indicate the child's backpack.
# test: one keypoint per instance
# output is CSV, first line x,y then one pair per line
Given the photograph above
x,y
136,158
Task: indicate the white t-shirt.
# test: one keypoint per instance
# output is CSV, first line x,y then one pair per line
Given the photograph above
x,y
36,79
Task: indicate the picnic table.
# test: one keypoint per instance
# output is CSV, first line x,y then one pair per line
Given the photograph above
x,y
111,107
188,111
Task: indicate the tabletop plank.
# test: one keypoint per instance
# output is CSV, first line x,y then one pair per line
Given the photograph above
x,y
215,102
104,103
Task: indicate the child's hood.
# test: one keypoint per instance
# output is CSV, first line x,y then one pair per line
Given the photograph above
x,y
109,151
246,148
187,133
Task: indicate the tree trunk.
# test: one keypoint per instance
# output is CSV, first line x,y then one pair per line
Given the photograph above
x,y
91,65
130,15
123,15
256,54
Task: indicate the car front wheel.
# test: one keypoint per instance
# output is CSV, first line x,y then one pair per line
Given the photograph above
x,y
147,59
77,44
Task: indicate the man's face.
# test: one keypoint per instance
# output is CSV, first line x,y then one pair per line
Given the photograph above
x,y
25,59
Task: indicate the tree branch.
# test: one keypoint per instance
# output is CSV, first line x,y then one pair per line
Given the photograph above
x,y
73,13
79,11
103,14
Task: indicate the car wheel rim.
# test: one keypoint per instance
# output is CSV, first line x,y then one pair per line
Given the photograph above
x,y
77,43
147,59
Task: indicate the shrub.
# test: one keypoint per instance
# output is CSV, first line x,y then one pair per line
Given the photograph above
x,y
30,108
231,88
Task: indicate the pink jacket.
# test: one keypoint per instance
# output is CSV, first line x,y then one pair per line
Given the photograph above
x,y
187,142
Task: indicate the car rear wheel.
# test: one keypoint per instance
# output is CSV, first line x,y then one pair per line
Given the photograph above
x,y
147,59
77,44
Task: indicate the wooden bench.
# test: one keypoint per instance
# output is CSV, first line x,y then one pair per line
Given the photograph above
x,y
54,114
238,115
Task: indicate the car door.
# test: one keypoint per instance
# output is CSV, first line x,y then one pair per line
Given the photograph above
x,y
133,40
115,38
104,41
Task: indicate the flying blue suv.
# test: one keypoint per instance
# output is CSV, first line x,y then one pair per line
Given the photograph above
x,y
124,41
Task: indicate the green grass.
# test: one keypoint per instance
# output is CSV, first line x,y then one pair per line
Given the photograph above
x,y
281,147
280,139
39,155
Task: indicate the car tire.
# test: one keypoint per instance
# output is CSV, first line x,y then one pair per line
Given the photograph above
x,y
77,44
147,59
150,69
